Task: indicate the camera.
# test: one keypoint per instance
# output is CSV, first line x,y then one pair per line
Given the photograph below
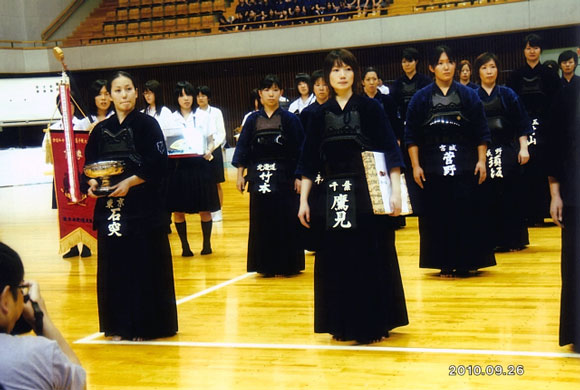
x,y
22,326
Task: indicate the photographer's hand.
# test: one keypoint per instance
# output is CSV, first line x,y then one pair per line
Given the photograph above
x,y
50,331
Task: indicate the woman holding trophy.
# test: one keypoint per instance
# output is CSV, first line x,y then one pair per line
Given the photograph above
x,y
126,162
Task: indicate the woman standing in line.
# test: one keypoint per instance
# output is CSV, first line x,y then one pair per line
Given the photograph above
x,y
268,149
217,163
192,186
403,90
357,283
99,104
510,126
135,290
446,134
465,71
155,104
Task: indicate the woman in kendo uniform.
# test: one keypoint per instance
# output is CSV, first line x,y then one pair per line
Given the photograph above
x,y
447,136
403,90
266,155
510,126
357,283
135,290
536,85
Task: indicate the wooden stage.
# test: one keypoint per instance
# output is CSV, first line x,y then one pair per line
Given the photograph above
x,y
241,331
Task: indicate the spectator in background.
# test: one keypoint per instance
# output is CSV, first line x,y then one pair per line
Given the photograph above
x,y
217,163
302,83
156,104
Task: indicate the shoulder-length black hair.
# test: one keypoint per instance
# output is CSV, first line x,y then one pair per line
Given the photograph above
x,y
184,86
481,60
154,87
94,91
342,57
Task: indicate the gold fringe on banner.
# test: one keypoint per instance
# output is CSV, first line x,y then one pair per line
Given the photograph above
x,y
76,236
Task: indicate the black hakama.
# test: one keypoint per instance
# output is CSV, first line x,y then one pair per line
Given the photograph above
x,y
135,286
452,225
357,283
454,217
135,291
268,147
508,121
536,88
564,167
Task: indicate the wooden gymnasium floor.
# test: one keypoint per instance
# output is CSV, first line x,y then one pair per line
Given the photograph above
x,y
242,331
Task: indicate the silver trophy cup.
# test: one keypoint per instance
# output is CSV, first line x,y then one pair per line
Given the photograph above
x,y
103,170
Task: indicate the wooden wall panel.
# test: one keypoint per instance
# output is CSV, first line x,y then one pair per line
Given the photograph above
x,y
231,81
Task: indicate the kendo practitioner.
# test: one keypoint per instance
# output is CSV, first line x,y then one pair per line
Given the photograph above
x,y
268,149
564,179
510,126
403,90
358,292
536,85
312,236
135,290
567,61
447,136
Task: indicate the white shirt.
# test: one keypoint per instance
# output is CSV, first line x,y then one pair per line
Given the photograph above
x,y
384,89
197,129
217,121
35,362
298,105
165,118
78,124
87,121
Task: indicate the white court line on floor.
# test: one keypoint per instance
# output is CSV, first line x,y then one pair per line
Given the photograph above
x,y
194,344
89,339
448,351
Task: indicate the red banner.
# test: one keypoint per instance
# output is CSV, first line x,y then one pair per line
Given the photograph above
x,y
75,219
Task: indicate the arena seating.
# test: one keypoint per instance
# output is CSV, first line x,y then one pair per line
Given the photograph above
x,y
131,20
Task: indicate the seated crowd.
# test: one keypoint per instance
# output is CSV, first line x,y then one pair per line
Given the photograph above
x,y
253,14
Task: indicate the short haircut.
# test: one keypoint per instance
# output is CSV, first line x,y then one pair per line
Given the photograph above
x,y
11,269
534,40
183,86
302,77
438,51
342,57
483,59
566,55
204,90
317,74
410,54
370,69
269,81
